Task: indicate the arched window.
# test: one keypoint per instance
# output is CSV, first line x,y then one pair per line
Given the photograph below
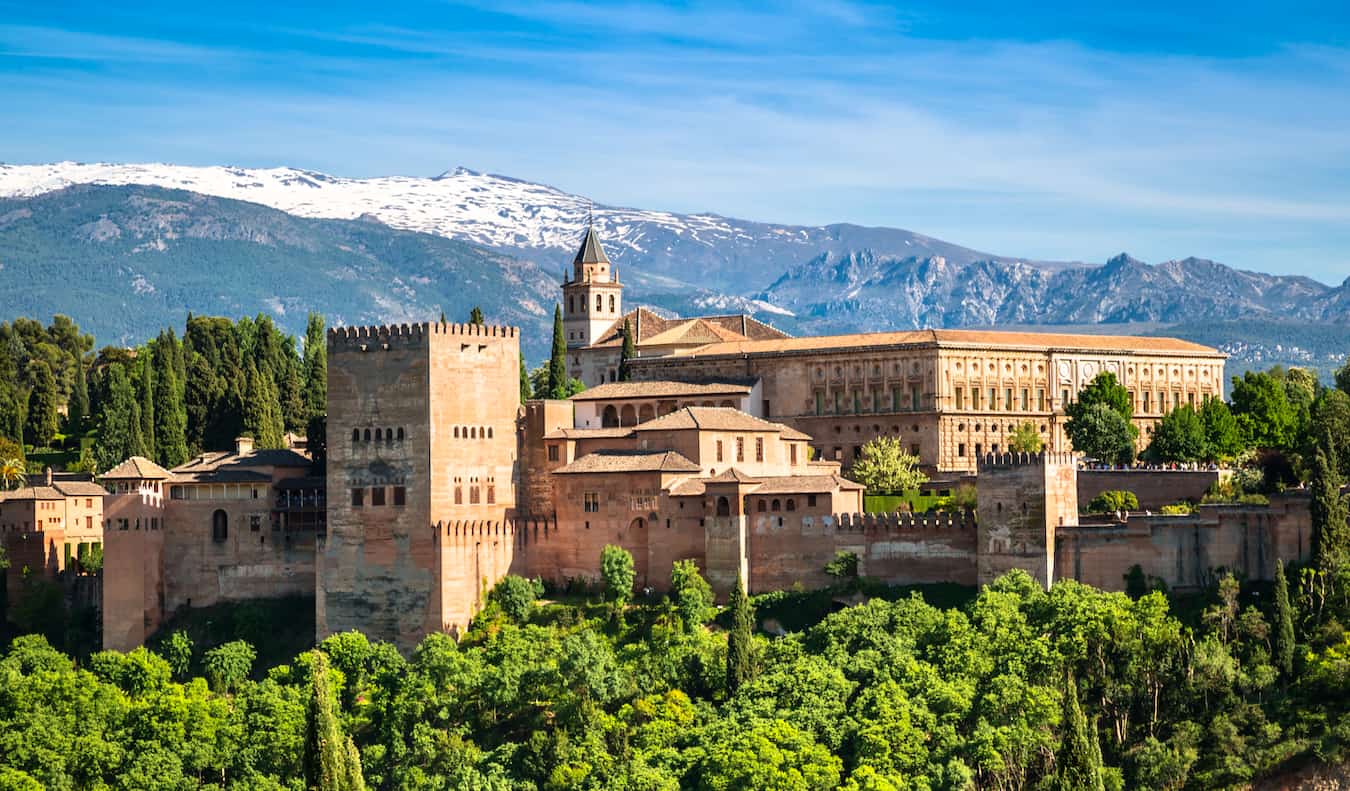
x,y
379,435
367,435
220,526
723,507
456,432
761,507
610,417
473,432
628,417
776,505
400,433
791,504
599,303
611,303
489,431
636,524
356,435
645,413
569,305
459,495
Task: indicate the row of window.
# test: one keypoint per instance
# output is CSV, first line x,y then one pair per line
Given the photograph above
x,y
472,432
991,402
759,450
856,402
599,304
378,496
790,504
379,435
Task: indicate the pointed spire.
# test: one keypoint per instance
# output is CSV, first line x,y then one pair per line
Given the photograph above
x,y
590,252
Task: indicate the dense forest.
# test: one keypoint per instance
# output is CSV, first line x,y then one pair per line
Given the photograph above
x,y
1018,688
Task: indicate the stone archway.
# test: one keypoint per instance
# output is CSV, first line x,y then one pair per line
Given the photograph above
x,y
645,413
628,416
610,417
723,506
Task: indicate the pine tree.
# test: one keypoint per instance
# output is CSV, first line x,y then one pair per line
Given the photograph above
x,y
1330,543
120,433
1282,640
77,409
316,366
41,423
147,402
557,362
628,353
476,316
740,665
170,418
1080,756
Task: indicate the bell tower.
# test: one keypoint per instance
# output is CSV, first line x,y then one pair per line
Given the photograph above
x,y
592,293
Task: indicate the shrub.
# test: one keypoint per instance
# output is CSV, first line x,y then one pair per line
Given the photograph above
x,y
616,569
1113,500
692,595
515,595
1177,509
844,565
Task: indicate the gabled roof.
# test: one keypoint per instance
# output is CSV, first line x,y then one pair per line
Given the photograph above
x,y
777,484
137,468
630,461
33,493
590,433
713,418
79,488
958,339
730,475
650,329
590,251
230,467
659,389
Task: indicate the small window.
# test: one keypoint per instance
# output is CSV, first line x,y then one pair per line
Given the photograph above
x,y
255,523
791,504
810,501
367,435
552,452
740,449
961,450
400,496
762,507
491,494
379,435
356,435
719,450
358,497
459,495
759,449
220,526
400,434
792,453
473,494
591,502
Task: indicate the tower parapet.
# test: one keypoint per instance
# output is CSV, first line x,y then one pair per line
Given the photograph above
x,y
1023,498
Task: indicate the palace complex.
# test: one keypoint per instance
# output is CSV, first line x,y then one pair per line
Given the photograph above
x,y
730,446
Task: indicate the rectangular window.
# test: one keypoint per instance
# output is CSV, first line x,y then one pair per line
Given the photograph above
x,y
915,397
1026,400
89,523
1007,399
1190,399
974,398
765,405
1040,399
400,495
473,494
1176,400
358,498
993,398
459,495
914,449
591,502
759,449
820,403
719,450
792,454
552,452
857,451
377,495
961,450
491,494
1148,401
1063,398
740,449
254,523
857,402
839,402
811,501
960,398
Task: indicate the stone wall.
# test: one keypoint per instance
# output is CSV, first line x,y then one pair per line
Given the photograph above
x,y
1154,488
1022,500
133,586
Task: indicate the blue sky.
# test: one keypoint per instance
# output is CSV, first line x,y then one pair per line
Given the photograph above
x,y
1054,130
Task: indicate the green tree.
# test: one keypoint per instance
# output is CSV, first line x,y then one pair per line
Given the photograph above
x,y
1113,500
1102,433
1328,509
42,420
1026,439
628,353
692,595
557,361
177,651
13,472
1343,377
768,755
1282,640
1106,389
316,365
170,417
120,432
1079,762
1180,436
1260,402
886,468
525,389
1223,437
740,662
77,408
262,411
476,316
330,760
228,665
515,595
145,393
616,569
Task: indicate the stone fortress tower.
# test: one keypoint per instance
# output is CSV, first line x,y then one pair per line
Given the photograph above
x,y
1022,500
421,432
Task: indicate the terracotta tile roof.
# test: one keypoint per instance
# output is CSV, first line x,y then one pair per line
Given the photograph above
x,y
33,493
956,338
659,389
730,475
590,433
79,488
654,330
778,484
716,418
230,467
630,461
137,468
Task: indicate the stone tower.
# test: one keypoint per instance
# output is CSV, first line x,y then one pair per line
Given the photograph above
x,y
593,296
1022,499
419,435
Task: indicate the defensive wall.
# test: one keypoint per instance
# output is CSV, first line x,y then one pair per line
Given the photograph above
x,y
1154,487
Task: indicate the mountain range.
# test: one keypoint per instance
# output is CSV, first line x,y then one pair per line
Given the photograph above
x,y
125,248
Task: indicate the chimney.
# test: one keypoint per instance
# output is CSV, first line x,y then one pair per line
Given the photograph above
x,y
243,445
48,475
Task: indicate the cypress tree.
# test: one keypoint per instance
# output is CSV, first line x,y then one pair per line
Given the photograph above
x,y
1080,756
120,433
262,410
294,410
77,409
170,418
147,402
628,353
1282,641
324,758
740,667
557,362
41,423
1328,511
476,316
524,382
316,366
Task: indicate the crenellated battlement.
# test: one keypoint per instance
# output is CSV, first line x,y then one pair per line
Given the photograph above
x,y
903,520
386,336
1001,460
482,528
